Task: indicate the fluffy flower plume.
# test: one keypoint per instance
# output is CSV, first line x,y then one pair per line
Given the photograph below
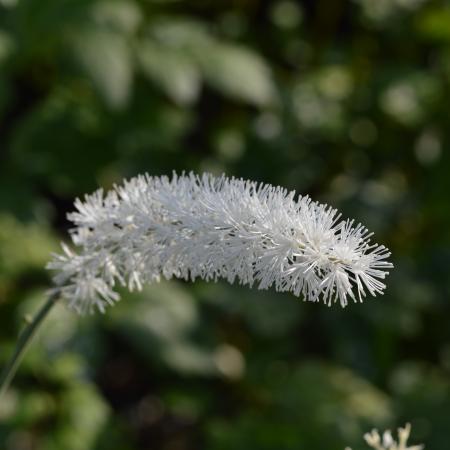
x,y
205,227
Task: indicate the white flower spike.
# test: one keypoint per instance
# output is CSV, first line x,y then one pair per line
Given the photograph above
x,y
387,442
210,227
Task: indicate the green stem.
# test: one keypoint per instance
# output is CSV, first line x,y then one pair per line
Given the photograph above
x,y
24,341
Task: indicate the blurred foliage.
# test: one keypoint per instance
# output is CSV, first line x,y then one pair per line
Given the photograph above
x,y
346,101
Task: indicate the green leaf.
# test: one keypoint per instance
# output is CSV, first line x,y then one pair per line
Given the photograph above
x,y
22,247
172,70
84,417
118,15
237,71
158,326
435,24
104,56
6,46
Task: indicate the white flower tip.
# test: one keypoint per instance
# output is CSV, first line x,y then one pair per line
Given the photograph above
x,y
387,442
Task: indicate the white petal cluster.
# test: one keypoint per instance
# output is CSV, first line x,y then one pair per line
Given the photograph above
x,y
387,442
210,227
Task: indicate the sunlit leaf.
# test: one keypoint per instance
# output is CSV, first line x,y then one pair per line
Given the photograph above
x,y
172,70
435,24
105,57
122,16
6,45
237,71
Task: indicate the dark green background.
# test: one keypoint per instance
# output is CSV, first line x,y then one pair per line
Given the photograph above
x,y
347,101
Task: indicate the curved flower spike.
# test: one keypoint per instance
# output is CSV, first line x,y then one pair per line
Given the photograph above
x,y
208,227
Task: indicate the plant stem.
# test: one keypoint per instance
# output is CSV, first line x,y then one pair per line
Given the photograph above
x,y
25,339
